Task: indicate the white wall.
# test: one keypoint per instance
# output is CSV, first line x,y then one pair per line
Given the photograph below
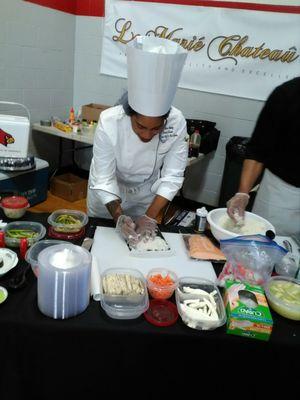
x,y
37,64
89,85
50,60
234,116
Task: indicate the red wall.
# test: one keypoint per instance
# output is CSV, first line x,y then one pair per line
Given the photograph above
x,y
93,8
96,7
232,4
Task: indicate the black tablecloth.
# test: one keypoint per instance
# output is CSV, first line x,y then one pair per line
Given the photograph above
x,y
94,355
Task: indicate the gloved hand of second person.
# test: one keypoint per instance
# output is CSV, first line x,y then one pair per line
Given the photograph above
x,y
236,207
146,227
126,228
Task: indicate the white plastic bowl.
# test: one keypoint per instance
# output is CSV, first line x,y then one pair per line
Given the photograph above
x,y
220,233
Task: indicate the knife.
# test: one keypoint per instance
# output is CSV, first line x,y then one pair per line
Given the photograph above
x,y
89,239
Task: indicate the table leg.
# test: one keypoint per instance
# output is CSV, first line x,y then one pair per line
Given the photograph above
x,y
60,153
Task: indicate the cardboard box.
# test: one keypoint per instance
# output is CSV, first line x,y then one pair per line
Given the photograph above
x,y
91,112
248,313
32,184
69,187
14,136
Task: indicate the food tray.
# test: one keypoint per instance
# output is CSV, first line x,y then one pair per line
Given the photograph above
x,y
209,251
124,306
38,229
17,164
283,294
152,253
67,226
188,317
8,260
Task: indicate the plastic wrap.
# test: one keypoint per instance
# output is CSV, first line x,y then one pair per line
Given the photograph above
x,y
200,247
250,258
141,249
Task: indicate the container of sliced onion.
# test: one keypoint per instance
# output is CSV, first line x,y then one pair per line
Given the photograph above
x,y
200,303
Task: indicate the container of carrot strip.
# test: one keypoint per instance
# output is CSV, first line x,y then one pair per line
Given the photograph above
x,y
161,283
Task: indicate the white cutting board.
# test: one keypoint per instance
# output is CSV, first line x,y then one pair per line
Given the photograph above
x,y
111,251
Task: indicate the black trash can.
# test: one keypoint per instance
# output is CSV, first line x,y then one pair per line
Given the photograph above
x,y
235,155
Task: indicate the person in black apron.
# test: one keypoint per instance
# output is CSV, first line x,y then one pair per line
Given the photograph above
x,y
274,150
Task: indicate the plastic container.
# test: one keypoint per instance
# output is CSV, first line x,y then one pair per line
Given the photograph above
x,y
38,229
64,280
288,266
200,220
159,247
124,304
32,254
65,235
67,221
161,313
14,207
283,294
9,260
3,294
194,144
165,285
200,247
214,216
189,315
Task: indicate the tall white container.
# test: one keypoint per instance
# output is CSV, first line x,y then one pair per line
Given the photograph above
x,y
14,133
64,280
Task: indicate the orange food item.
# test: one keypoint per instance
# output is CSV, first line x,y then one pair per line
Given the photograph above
x,y
161,287
158,279
202,247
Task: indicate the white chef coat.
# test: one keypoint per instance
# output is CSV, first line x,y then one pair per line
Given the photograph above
x,y
123,167
279,202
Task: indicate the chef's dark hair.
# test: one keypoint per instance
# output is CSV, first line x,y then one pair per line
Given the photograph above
x,y
129,110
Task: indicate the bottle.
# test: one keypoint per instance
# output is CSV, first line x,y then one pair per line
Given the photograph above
x,y
200,221
195,141
72,116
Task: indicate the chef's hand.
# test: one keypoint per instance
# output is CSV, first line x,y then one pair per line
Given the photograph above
x,y
236,207
126,228
146,227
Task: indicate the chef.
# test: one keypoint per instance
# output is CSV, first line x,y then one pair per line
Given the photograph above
x,y
140,148
274,150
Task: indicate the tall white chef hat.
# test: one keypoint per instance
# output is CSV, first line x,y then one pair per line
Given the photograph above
x,y
154,67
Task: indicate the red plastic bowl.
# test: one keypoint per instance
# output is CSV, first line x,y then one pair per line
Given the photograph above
x,y
161,313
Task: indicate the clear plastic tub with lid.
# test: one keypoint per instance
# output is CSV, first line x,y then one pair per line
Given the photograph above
x,y
14,207
123,293
32,254
200,303
17,230
161,283
283,294
67,221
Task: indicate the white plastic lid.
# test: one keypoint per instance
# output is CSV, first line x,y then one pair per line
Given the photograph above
x,y
202,212
64,257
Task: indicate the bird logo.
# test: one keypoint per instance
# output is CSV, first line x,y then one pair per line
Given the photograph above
x,y
6,138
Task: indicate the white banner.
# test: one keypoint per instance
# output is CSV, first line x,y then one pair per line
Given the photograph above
x,y
231,51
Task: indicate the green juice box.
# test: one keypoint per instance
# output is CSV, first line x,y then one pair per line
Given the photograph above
x,y
248,313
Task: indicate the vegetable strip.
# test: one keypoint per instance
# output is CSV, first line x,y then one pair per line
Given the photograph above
x,y
21,233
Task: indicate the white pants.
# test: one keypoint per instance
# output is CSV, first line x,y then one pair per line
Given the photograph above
x,y
135,201
279,203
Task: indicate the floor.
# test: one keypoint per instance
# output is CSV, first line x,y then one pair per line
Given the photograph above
x,y
56,203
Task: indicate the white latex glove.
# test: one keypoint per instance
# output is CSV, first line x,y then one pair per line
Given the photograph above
x,y
126,228
236,207
146,227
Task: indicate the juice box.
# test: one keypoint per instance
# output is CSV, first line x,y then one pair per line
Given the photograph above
x,y
248,313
